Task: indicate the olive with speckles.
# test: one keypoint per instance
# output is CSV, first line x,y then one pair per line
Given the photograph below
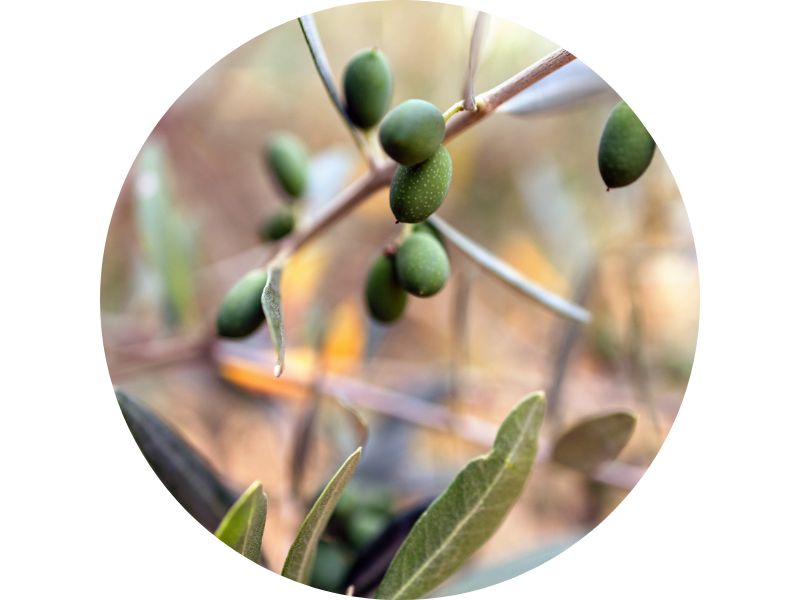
x,y
417,192
421,265
412,131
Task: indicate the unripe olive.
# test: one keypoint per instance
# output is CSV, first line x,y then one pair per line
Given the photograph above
x,y
367,87
384,296
240,313
626,148
330,567
365,526
278,225
412,131
287,159
430,229
416,192
421,265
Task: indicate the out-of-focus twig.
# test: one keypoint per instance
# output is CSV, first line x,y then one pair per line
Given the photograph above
x,y
569,335
478,33
459,340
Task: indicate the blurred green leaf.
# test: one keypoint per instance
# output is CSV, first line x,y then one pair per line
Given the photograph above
x,y
470,510
182,470
271,304
166,237
302,553
595,440
243,526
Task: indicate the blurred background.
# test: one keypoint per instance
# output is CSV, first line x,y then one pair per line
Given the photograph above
x,y
431,388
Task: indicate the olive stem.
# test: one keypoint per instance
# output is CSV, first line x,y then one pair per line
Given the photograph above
x,y
453,110
478,34
507,274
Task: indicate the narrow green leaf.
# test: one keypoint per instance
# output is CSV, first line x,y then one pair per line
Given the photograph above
x,y
181,468
243,526
300,559
593,441
470,510
271,305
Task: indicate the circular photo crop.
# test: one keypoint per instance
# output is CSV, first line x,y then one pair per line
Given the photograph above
x,y
399,300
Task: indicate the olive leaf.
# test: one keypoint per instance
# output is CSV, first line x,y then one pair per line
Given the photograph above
x,y
182,470
310,33
506,273
167,237
593,441
271,305
243,526
571,84
300,559
470,510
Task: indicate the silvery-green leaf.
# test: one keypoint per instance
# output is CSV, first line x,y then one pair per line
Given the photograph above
x,y
271,305
310,33
243,525
470,510
569,85
300,559
593,441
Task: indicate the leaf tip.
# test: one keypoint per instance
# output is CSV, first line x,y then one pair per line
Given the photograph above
x,y
277,370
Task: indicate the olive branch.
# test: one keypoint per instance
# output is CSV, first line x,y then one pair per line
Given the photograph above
x,y
462,115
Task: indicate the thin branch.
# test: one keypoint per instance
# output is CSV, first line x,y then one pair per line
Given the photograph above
x,y
507,274
310,33
490,101
478,33
381,175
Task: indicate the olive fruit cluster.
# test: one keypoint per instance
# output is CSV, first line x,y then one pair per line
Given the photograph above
x,y
418,266
412,134
626,148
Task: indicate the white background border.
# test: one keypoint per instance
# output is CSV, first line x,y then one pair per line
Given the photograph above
x,y
84,83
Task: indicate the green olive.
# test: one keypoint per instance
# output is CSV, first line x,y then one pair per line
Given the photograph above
x,y
412,132
278,225
287,159
626,148
430,229
240,313
367,87
416,192
365,526
421,265
330,567
384,297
